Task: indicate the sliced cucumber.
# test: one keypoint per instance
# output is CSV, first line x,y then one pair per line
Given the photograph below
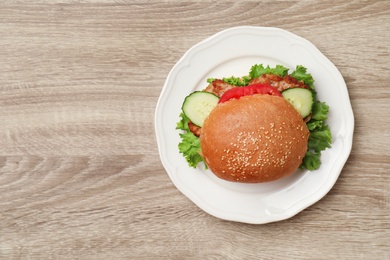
x,y
301,99
198,105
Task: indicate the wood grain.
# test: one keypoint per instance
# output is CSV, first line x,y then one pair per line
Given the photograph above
x,y
80,174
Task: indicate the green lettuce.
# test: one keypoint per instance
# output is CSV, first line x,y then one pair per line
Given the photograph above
x,y
190,144
313,124
311,161
300,73
320,136
258,69
320,110
320,139
236,81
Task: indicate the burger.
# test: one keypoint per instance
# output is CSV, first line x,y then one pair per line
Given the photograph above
x,y
257,128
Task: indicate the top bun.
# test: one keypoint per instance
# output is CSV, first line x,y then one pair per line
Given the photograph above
x,y
256,138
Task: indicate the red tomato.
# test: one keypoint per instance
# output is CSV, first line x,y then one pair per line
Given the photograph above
x,y
238,92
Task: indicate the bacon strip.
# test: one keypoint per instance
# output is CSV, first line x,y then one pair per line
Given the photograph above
x,y
280,83
218,87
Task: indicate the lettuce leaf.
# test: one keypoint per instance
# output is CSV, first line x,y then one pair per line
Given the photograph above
x,y
236,81
320,110
311,161
183,123
300,73
313,124
258,69
320,139
190,144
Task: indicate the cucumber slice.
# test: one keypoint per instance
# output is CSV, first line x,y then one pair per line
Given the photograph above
x,y
198,105
301,99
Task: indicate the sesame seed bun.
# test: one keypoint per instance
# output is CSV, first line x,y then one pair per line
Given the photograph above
x,y
253,139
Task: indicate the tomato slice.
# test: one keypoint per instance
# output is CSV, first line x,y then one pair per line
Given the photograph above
x,y
238,92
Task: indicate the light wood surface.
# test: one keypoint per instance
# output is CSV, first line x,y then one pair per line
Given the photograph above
x,y
80,174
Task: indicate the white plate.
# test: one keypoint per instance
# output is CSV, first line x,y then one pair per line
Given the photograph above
x,y
232,52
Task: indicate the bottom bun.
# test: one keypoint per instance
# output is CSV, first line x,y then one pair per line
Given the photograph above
x,y
253,139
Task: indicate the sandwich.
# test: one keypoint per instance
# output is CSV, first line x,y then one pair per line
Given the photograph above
x,y
256,128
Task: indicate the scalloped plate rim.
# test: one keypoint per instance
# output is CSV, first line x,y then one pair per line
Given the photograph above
x,y
193,194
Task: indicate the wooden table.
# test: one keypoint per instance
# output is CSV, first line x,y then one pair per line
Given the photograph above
x,y
80,174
